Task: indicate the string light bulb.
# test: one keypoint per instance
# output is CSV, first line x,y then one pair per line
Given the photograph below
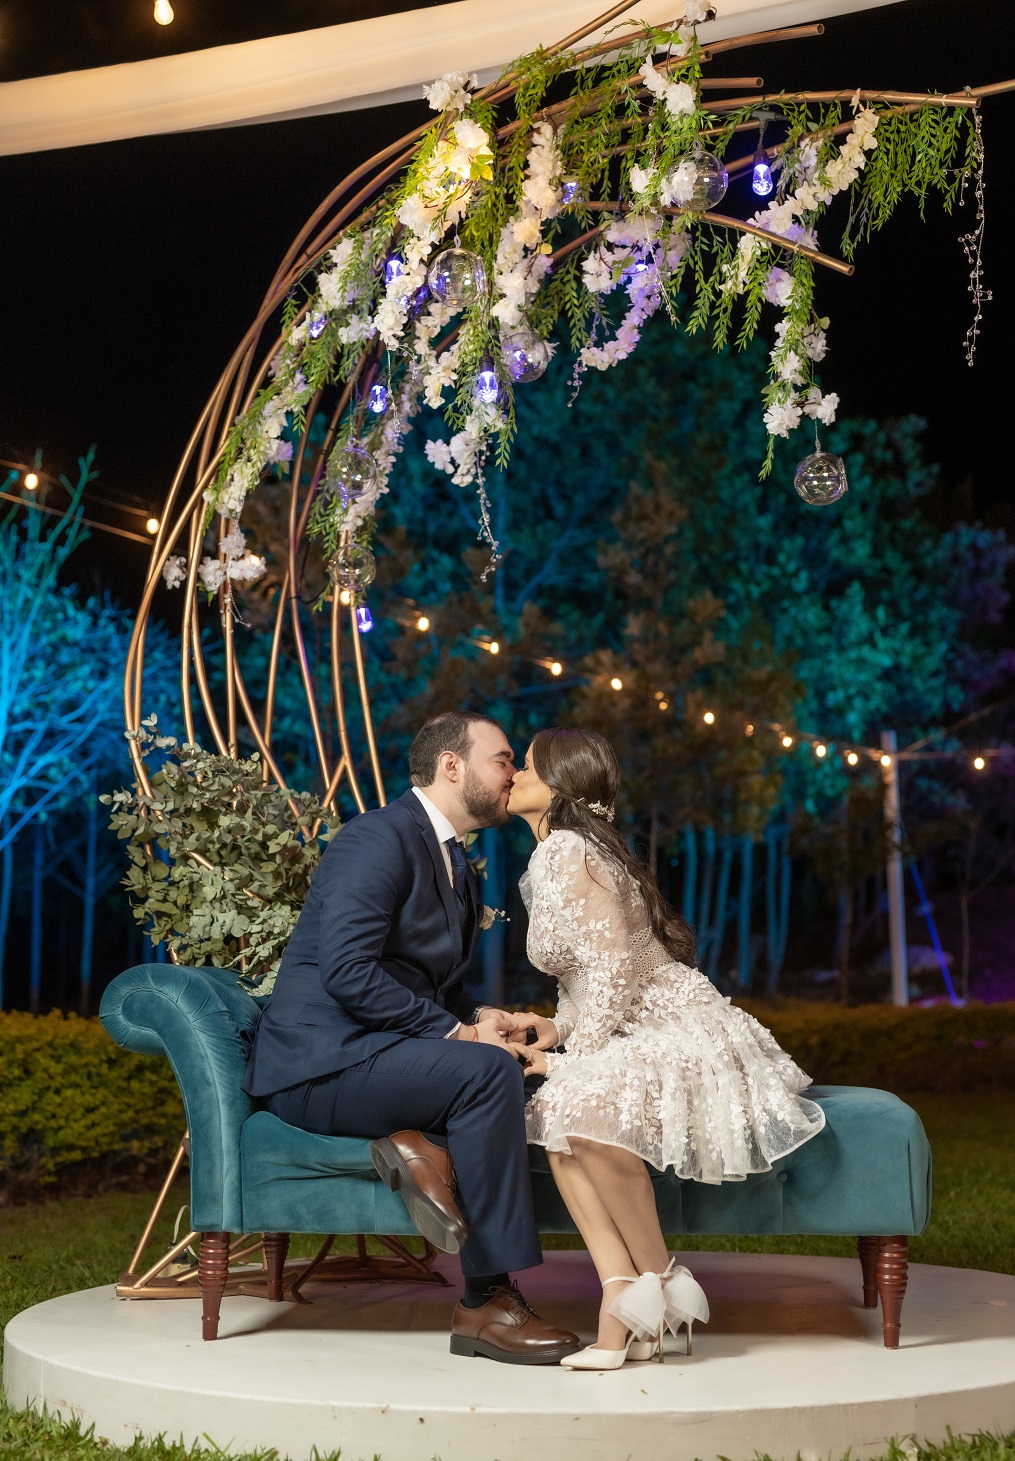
x,y
664,705
345,597
852,757
422,623
978,763
886,760
820,750
616,684
31,480
556,668
748,729
164,13
709,717
493,647
761,179
787,741
152,526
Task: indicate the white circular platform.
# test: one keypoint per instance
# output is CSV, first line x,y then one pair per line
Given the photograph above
x,y
791,1362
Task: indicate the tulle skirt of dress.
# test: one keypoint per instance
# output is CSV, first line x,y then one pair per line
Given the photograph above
x,y
710,1094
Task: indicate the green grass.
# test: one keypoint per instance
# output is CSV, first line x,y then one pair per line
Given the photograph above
x,y
84,1242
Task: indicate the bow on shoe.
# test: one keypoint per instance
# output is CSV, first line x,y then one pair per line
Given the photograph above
x,y
665,1299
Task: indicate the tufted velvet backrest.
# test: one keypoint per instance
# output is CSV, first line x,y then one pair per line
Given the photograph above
x,y
194,1016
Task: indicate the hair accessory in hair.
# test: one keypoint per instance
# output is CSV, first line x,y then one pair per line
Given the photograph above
x,y
599,809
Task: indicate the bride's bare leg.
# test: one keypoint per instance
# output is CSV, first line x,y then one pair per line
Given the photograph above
x,y
607,1248
621,1183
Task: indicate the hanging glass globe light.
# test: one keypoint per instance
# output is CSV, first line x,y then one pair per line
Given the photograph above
x,y
353,568
526,356
820,478
487,384
457,277
350,472
710,181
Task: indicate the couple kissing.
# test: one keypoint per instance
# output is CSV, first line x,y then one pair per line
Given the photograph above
x,y
644,1063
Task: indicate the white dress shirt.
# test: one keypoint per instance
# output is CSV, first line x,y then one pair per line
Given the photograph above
x,y
444,830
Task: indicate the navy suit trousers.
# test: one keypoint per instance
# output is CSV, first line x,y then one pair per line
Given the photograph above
x,y
468,1093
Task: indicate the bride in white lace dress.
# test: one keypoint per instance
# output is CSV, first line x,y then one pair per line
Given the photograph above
x,y
657,1066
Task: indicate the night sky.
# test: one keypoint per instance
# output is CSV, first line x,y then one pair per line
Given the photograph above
x,y
130,269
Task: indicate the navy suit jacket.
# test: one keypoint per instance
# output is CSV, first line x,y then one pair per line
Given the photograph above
x,y
378,952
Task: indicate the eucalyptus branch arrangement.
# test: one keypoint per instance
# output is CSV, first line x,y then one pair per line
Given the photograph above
x,y
220,859
521,217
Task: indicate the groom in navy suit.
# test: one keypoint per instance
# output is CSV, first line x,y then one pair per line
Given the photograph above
x,y
367,1032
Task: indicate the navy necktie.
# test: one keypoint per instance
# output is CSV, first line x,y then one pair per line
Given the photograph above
x,y
458,866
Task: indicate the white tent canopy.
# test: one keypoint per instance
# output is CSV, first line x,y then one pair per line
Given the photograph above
x,y
336,68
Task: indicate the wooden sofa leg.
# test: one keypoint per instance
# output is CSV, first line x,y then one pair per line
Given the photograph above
x,y
212,1272
868,1251
893,1274
276,1246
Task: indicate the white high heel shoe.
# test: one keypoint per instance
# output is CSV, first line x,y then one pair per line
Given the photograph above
x,y
661,1301
594,1358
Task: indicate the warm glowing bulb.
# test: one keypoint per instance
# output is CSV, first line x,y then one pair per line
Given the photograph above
x,y
709,717
164,13
886,760
659,695
152,526
979,763
493,647
345,597
422,623
664,705
748,729
820,750
31,480
616,684
852,757
787,741
556,668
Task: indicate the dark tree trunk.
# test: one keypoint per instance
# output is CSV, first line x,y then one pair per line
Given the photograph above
x,y
744,912
690,873
721,904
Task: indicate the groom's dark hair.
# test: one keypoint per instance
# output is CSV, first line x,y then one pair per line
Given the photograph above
x,y
447,732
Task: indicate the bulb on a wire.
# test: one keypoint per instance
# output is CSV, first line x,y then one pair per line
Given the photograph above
x,y
852,757
164,13
31,480
761,178
978,763
152,526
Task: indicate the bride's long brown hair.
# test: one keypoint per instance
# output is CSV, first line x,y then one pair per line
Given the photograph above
x,y
581,767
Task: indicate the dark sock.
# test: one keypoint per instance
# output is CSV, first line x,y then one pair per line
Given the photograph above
x,y
479,1290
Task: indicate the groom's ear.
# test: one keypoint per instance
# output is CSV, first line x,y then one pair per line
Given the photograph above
x,y
450,764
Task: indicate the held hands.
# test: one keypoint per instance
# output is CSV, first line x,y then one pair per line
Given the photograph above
x,y
531,1057
547,1037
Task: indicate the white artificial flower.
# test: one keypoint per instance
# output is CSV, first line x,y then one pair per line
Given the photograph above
x,y
438,453
450,91
678,186
175,571
342,252
789,367
234,544
641,179
470,135
821,408
359,327
680,99
526,231
245,569
782,417
815,342
597,274
698,10
279,451
211,574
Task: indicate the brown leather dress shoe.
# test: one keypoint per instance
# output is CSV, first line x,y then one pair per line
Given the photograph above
x,y
506,1329
424,1174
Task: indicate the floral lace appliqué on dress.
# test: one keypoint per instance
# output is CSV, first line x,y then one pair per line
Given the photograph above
x,y
655,1058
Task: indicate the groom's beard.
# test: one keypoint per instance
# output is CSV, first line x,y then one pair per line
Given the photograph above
x,y
483,807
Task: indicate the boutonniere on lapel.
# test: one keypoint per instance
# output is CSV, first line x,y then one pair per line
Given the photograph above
x,y
487,916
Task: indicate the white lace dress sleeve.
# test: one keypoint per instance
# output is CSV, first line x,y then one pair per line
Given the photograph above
x,y
655,1059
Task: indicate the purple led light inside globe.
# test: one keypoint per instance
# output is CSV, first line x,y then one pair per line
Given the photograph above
x,y
393,267
364,619
762,179
316,326
487,388
377,399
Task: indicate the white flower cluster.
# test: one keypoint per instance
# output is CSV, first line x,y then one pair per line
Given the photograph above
x,y
796,346
234,562
462,456
522,263
678,97
450,92
632,254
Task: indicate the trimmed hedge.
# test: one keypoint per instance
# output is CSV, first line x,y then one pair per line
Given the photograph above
x,y
900,1050
68,1095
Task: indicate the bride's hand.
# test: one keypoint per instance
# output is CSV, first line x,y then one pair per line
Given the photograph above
x,y
547,1037
531,1057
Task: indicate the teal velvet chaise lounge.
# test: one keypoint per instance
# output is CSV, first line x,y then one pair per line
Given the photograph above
x,y
866,1175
